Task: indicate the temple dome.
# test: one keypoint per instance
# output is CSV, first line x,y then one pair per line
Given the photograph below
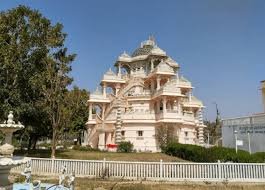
x,y
157,51
144,50
148,47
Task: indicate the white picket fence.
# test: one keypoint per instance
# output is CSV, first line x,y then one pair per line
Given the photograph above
x,y
163,171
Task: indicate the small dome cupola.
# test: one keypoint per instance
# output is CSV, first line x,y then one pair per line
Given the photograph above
x,y
145,48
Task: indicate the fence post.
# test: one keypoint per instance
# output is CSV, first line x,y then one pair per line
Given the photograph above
x,y
104,164
219,170
52,167
104,168
161,169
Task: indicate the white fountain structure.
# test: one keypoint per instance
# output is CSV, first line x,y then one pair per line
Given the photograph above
x,y
7,160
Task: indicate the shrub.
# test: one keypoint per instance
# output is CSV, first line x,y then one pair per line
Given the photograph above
x,y
260,156
196,153
125,146
187,152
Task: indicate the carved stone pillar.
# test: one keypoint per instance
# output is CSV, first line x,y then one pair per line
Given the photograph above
x,y
117,89
179,108
119,69
158,106
108,141
152,85
101,140
177,76
104,89
190,94
158,79
103,112
164,104
152,64
90,111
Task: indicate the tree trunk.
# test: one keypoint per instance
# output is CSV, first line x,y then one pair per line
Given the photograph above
x,y
35,139
53,142
20,141
79,138
29,143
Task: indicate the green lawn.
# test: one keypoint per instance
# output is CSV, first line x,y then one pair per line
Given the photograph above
x,y
97,155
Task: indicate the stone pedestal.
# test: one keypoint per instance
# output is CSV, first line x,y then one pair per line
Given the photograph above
x,y
4,173
8,187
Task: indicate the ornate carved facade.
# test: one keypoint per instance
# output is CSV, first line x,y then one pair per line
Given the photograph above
x,y
145,94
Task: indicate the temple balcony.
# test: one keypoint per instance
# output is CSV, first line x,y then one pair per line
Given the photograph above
x,y
171,116
183,83
189,118
111,77
163,69
133,116
145,93
98,97
138,117
192,102
168,91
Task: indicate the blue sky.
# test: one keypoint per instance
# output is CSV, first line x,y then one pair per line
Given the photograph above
x,y
219,44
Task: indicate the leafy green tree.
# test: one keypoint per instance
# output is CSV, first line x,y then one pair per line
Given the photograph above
x,y
24,44
34,69
77,108
213,132
165,135
56,79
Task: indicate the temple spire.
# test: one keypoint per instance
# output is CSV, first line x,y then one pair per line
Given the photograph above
x,y
152,38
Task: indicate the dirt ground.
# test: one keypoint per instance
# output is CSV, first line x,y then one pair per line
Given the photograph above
x,y
100,184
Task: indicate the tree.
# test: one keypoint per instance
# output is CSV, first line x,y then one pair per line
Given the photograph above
x,y
56,79
24,44
77,108
212,131
165,135
34,68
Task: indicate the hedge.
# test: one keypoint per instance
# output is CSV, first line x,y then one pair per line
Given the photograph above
x,y
196,153
125,146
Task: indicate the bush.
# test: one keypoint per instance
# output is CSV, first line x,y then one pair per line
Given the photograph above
x,y
125,146
187,152
196,153
259,156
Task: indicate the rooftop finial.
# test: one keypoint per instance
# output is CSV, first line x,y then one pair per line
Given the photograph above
x,y
149,42
152,38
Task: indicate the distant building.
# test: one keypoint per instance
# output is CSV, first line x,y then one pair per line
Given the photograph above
x,y
249,130
144,95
